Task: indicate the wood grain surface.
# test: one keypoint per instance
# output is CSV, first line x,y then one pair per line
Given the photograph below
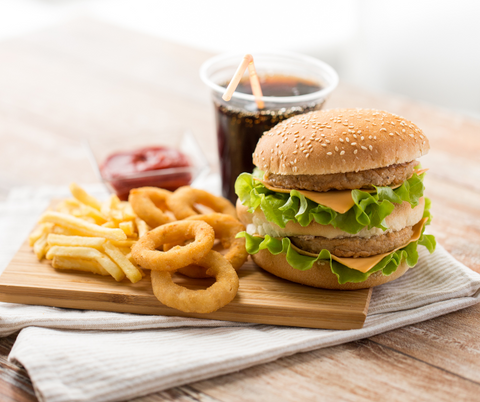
x,y
91,80
262,298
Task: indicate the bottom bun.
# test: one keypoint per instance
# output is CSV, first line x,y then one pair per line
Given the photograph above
x,y
320,275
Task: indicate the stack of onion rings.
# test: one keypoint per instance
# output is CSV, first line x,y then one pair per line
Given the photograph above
x,y
187,246
150,204
226,228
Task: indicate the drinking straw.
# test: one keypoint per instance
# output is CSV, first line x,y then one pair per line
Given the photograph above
x,y
254,82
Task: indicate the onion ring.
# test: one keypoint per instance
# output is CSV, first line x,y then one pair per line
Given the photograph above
x,y
207,300
145,252
183,199
226,228
149,203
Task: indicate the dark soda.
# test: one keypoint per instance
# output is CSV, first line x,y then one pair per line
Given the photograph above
x,y
239,129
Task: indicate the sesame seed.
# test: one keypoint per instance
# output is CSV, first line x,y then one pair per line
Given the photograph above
x,y
403,130
383,129
341,139
342,153
336,148
307,155
308,142
324,145
360,131
355,151
353,143
354,135
276,144
362,137
370,147
369,137
347,139
390,134
374,137
364,148
327,141
411,135
294,152
303,137
329,153
283,164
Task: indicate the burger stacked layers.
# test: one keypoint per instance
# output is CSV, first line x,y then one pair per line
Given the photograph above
x,y
337,199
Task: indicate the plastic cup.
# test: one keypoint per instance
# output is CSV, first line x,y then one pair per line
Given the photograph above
x,y
239,122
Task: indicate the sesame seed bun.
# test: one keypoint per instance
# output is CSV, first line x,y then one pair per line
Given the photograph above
x,y
339,141
320,275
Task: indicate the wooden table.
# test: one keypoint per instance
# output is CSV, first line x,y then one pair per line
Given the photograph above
x,y
89,79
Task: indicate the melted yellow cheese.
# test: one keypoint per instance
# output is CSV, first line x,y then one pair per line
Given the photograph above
x,y
338,200
367,263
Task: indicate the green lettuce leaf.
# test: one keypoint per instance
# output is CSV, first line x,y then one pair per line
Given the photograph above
x,y
369,210
388,265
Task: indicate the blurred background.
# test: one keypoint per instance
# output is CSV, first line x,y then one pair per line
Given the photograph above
x,y
427,50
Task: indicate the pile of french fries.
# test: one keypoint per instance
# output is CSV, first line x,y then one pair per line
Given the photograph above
x,y
88,235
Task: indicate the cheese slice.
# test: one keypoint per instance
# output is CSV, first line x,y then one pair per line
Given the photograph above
x,y
367,263
338,200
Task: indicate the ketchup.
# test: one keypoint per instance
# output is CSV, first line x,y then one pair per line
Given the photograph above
x,y
131,169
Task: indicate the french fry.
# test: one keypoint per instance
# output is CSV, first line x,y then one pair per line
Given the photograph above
x,y
116,255
88,211
128,214
110,224
123,243
75,241
41,246
130,258
128,228
87,228
81,195
38,232
142,227
79,265
65,231
110,208
124,250
87,253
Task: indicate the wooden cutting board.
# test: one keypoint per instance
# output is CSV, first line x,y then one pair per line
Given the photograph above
x,y
262,297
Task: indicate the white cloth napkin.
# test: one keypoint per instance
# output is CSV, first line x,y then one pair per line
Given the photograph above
x,y
74,355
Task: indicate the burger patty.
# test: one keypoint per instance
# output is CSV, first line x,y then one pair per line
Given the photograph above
x,y
355,246
386,176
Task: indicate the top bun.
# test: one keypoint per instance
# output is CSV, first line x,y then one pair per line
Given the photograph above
x,y
339,141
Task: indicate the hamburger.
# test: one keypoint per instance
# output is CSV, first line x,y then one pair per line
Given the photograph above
x,y
336,199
